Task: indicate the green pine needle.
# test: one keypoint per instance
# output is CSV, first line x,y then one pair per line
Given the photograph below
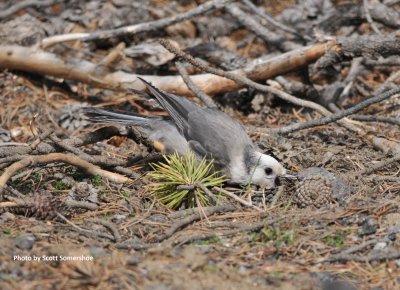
x,y
183,170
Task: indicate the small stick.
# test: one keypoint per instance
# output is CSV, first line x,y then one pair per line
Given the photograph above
x,y
339,115
244,228
113,55
190,211
206,99
242,80
379,165
82,230
111,227
60,157
251,24
81,204
201,186
373,118
369,18
136,28
25,4
272,21
345,253
237,198
207,191
188,220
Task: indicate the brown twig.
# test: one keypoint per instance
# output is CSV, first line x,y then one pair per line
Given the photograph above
x,y
60,157
7,160
242,80
111,227
34,60
380,256
25,4
98,160
369,18
243,228
202,187
387,178
113,56
81,204
339,115
21,203
261,31
272,21
200,94
237,198
190,211
379,165
136,28
344,254
85,231
190,219
374,118
365,45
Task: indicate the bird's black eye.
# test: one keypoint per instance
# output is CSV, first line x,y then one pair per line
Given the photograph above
x,y
268,171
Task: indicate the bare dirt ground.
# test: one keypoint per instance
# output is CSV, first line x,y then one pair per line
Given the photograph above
x,y
51,211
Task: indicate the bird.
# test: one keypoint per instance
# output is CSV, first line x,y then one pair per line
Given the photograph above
x,y
207,132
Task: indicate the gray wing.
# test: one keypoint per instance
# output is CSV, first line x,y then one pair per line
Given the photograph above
x,y
218,134
177,107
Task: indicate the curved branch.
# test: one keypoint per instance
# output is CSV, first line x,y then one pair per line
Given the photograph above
x,y
34,60
60,157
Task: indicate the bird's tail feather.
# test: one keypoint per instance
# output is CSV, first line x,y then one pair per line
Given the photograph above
x,y
130,119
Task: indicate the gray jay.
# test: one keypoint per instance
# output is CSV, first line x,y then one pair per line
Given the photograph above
x,y
208,132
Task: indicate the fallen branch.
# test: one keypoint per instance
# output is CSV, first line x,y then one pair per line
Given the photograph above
x,y
264,15
243,228
190,211
374,118
341,114
243,80
111,227
369,18
60,157
25,4
136,28
251,24
81,204
9,204
365,45
380,165
190,219
200,94
85,231
237,198
34,60
343,255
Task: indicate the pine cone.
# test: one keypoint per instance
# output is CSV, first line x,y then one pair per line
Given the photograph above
x,y
40,206
313,191
318,187
46,207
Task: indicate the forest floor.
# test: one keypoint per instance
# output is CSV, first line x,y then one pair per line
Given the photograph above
x,y
130,239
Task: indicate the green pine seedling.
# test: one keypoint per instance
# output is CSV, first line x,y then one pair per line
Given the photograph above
x,y
183,170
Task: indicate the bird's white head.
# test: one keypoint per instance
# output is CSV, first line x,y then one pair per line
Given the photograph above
x,y
266,171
